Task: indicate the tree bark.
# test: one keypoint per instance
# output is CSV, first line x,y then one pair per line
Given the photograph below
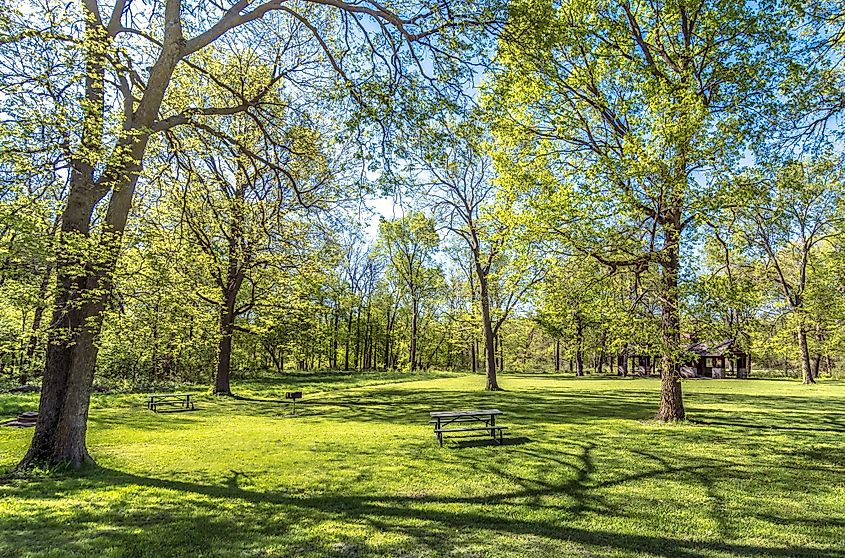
x,y
224,352
489,335
415,310
227,329
557,355
579,345
81,297
806,368
59,437
671,397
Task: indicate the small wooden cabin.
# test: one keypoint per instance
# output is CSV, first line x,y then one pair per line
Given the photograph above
x,y
717,360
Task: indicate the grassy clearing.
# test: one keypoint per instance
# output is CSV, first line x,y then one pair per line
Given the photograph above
x,y
760,471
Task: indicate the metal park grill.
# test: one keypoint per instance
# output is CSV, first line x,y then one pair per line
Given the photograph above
x,y
293,396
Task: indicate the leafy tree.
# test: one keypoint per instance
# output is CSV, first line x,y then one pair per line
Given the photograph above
x,y
614,118
409,244
795,212
94,83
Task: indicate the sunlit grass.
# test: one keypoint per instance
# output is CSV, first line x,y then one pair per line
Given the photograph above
x,y
758,471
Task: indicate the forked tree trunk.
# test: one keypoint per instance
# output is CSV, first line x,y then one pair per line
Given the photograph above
x,y
59,437
235,275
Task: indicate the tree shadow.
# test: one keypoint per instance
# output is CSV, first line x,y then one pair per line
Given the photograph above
x,y
432,522
462,443
776,427
259,400
176,410
547,489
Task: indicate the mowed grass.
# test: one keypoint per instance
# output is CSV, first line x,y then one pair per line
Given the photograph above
x,y
758,471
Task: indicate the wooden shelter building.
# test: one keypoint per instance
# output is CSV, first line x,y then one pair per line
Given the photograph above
x,y
717,360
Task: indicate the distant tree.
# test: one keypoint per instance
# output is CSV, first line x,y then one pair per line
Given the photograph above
x,y
795,212
457,176
409,244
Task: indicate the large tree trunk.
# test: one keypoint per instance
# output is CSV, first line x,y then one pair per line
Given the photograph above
x,y
224,352
806,368
671,398
59,437
238,258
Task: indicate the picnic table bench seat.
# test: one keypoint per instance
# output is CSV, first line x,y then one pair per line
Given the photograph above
x,y
493,430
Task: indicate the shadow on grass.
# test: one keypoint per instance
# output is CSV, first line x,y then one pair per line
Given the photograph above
x,y
837,427
553,406
475,442
175,410
553,489
259,400
431,521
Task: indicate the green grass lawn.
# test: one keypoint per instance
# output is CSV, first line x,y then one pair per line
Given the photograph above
x,y
758,471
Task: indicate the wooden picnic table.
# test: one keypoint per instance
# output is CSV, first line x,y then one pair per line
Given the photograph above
x,y
479,420
154,400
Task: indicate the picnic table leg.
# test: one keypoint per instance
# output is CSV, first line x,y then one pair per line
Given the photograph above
x,y
439,434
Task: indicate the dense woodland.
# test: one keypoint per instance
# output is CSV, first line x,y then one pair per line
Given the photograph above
x,y
188,191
